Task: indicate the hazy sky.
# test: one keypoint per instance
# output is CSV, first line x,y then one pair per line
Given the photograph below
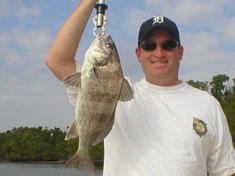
x,y
30,95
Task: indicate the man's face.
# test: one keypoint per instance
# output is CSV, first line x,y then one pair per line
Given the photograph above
x,y
160,66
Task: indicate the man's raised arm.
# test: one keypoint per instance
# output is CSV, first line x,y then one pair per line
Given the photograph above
x,y
61,55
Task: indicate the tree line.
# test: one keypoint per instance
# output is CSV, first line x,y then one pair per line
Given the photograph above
x,y
43,144
40,144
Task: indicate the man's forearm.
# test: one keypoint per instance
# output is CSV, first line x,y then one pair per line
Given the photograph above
x,y
62,52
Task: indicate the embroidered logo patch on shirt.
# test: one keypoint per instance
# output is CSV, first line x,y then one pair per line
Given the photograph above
x,y
199,126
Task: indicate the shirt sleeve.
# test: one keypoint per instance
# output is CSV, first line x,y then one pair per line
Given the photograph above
x,y
221,160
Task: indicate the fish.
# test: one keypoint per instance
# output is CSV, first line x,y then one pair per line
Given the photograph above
x,y
100,85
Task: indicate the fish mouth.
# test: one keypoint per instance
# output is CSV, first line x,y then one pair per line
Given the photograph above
x,y
100,36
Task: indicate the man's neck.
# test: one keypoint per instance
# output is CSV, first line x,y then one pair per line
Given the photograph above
x,y
164,82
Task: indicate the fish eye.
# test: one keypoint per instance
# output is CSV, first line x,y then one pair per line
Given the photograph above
x,y
108,44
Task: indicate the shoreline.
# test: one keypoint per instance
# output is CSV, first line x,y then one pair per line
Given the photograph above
x,y
35,162
98,163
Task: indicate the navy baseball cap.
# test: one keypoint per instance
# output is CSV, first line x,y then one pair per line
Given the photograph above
x,y
158,21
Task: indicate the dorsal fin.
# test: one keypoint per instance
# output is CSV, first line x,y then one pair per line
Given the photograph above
x,y
126,91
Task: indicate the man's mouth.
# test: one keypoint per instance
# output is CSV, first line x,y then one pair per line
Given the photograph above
x,y
159,62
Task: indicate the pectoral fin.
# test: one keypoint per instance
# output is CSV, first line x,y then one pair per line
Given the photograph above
x,y
92,75
126,91
73,80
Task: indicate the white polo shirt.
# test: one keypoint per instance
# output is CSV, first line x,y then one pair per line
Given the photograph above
x,y
164,131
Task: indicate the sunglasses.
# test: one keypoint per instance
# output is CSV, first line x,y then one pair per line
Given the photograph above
x,y
167,45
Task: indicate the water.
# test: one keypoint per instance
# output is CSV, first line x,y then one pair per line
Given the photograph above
x,y
18,169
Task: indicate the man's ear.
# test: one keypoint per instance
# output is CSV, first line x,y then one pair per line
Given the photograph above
x,y
137,52
181,51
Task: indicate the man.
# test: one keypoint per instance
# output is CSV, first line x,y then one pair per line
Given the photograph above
x,y
169,128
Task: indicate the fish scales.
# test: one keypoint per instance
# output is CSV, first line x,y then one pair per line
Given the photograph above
x,y
100,85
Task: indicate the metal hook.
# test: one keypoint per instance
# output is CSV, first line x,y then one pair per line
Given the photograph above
x,y
99,27
100,20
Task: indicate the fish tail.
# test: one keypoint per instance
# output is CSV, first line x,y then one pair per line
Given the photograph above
x,y
84,164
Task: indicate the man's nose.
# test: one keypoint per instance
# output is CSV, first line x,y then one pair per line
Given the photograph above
x,y
159,51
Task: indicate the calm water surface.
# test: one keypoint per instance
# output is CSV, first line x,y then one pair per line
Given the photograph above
x,y
18,169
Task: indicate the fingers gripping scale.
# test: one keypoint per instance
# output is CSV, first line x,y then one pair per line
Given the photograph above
x,y
100,19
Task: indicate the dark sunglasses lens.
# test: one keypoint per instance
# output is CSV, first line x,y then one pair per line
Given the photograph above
x,y
149,46
168,45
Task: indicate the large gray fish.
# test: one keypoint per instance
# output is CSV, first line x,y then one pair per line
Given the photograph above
x,y
100,85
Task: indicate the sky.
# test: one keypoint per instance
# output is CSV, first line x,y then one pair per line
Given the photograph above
x,y
30,95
